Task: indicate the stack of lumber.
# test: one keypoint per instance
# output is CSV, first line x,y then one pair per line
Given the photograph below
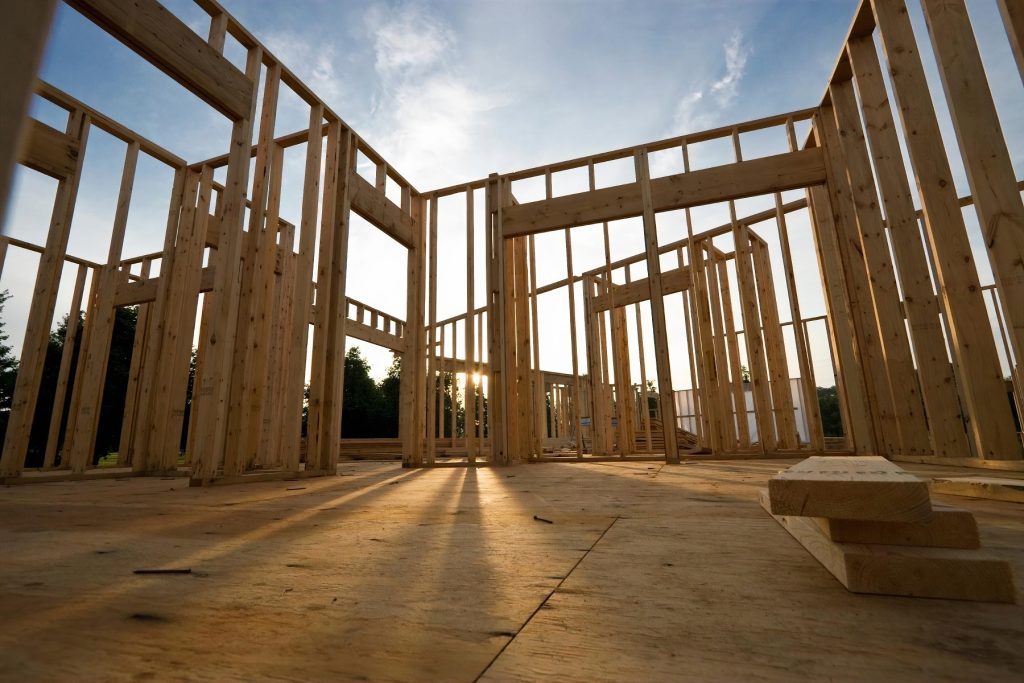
x,y
874,527
686,440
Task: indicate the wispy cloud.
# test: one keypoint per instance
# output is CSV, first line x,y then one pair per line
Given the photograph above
x,y
701,107
316,61
407,39
428,109
735,64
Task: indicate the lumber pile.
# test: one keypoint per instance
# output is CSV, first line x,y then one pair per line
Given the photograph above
x,y
874,527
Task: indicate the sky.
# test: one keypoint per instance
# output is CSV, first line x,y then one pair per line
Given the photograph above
x,y
452,91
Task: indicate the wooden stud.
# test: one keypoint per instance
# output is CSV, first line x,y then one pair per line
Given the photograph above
x,y
63,373
298,346
577,396
412,413
851,386
778,365
989,425
432,354
812,411
1013,18
92,368
938,388
40,315
538,381
990,173
865,328
246,393
214,382
874,248
143,324
664,370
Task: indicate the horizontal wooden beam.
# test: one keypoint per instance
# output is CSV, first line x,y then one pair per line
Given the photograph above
x,y
131,293
777,173
51,93
48,150
672,281
381,212
169,44
372,335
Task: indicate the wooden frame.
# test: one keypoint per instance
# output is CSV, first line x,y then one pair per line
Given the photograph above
x,y
890,315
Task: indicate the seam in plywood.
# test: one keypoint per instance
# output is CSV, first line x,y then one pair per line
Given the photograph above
x,y
545,601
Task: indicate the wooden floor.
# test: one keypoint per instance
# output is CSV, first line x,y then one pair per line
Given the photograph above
x,y
647,572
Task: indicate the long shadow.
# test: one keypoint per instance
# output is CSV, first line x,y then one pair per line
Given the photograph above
x,y
267,535
233,514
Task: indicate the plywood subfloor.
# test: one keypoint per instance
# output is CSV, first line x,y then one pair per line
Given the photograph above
x,y
648,572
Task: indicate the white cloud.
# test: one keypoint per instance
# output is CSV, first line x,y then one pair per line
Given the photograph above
x,y
407,38
315,61
735,63
688,116
696,111
428,110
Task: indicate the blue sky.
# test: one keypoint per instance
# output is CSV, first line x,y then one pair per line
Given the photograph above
x,y
452,91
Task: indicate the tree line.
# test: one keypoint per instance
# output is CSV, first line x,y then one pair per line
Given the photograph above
x,y
370,407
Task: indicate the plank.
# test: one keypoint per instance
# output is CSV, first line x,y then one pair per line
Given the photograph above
x,y
48,150
878,396
180,298
775,348
986,157
92,369
371,203
40,315
706,186
909,571
1013,17
752,335
993,488
672,282
143,324
920,305
908,407
497,411
412,414
470,418
299,330
971,337
213,378
63,374
577,391
169,44
859,487
948,527
850,376
246,383
662,364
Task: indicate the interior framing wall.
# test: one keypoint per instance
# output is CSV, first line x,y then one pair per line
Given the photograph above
x,y
901,395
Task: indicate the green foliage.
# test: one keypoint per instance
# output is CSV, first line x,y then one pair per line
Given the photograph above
x,y
828,403
8,370
114,388
370,409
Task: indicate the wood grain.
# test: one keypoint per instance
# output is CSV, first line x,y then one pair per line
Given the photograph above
x,y
866,488
909,571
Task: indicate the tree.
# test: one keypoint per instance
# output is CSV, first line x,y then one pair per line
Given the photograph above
x,y
828,404
390,399
361,398
115,386
8,370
